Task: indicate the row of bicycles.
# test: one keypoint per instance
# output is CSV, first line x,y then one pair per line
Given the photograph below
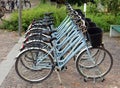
x,y
47,48
2,12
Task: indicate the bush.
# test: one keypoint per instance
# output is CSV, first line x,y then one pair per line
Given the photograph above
x,y
35,13
102,20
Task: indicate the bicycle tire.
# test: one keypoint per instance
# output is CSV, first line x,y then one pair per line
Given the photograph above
x,y
34,30
35,72
35,37
36,43
104,65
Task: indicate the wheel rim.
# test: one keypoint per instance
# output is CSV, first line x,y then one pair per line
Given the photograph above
x,y
32,70
101,66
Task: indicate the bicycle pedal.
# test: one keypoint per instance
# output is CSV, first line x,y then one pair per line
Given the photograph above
x,y
85,80
103,80
64,68
57,69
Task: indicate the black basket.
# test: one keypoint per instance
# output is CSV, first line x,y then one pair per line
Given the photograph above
x,y
88,19
92,24
95,36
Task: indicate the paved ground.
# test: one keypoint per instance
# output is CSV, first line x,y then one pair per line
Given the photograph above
x,y
7,41
71,78
12,37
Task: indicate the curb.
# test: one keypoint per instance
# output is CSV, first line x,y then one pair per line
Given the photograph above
x,y
6,65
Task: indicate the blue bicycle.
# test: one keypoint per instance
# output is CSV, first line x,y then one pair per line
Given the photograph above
x,y
36,64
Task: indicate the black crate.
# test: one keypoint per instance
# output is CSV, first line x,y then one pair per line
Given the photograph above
x,y
95,36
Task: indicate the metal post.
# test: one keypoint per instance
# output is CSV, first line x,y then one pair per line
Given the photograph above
x,y
20,17
85,8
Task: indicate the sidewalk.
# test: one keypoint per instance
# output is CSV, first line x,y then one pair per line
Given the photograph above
x,y
7,64
70,78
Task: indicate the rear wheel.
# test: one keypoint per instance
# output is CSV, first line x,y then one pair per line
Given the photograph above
x,y
34,65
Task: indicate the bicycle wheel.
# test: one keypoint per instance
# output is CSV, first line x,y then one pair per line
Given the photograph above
x,y
34,65
36,43
94,63
35,36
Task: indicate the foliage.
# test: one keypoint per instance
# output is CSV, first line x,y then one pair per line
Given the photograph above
x,y
43,1
79,2
103,20
111,6
35,13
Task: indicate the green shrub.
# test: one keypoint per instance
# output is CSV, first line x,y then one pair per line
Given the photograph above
x,y
102,20
35,13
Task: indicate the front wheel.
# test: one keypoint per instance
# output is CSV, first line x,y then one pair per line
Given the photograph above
x,y
94,62
34,65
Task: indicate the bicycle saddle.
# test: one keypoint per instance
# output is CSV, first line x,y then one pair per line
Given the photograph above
x,y
47,24
48,20
37,36
42,24
47,32
88,19
38,25
43,20
48,40
48,14
39,31
50,17
91,24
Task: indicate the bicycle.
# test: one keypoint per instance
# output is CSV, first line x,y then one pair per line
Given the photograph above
x,y
2,12
37,32
41,62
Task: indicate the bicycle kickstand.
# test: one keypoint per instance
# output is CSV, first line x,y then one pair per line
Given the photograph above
x,y
56,70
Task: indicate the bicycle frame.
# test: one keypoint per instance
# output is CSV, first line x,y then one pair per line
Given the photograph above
x,y
68,40
77,42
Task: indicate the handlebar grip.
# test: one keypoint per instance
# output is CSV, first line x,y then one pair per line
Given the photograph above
x,y
92,1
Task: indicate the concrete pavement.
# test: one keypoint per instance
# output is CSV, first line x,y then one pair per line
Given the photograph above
x,y
7,64
70,77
